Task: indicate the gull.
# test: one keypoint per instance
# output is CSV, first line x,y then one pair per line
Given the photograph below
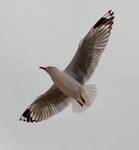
x,y
69,85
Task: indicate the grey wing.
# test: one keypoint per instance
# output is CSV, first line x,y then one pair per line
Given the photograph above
x,y
46,105
90,48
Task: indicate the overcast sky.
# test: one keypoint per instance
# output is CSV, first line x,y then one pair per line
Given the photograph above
x,y
37,33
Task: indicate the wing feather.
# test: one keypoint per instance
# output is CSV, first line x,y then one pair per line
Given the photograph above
x,y
90,49
48,104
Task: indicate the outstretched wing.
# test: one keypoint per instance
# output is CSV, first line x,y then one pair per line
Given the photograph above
x,y
90,48
46,105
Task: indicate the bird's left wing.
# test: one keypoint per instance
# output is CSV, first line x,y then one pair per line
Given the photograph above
x,y
46,105
90,49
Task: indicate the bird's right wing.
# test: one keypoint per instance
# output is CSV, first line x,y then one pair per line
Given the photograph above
x,y
46,105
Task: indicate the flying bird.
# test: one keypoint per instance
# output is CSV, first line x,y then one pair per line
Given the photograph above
x,y
69,85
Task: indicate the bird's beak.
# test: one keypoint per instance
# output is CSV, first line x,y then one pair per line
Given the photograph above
x,y
42,68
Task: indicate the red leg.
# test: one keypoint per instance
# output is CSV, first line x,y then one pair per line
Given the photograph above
x,y
82,99
80,103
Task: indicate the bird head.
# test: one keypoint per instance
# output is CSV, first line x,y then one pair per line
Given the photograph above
x,y
48,69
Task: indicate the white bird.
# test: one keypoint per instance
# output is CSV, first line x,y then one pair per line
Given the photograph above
x,y
69,85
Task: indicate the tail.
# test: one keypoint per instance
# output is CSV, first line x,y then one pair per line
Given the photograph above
x,y
89,96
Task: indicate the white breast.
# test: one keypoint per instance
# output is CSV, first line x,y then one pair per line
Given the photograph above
x,y
66,83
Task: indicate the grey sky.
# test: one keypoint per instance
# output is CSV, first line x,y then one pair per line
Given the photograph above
x,y
35,33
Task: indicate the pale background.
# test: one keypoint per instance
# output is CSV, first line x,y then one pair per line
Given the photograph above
x,y
37,33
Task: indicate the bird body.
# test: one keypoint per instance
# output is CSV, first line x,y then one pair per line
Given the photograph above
x,y
69,85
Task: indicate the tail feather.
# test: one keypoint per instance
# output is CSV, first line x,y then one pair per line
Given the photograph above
x,y
89,96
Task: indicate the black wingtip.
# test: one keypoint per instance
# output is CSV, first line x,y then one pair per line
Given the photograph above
x,y
105,18
26,116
